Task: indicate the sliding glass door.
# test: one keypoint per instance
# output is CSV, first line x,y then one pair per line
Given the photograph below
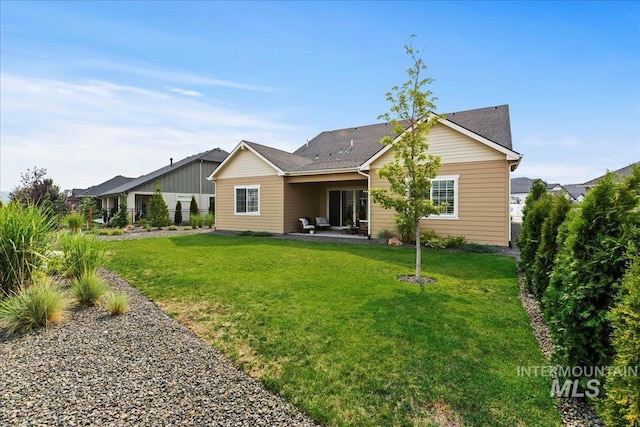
x,y
347,206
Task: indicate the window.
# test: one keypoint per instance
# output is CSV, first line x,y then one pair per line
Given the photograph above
x,y
247,200
444,192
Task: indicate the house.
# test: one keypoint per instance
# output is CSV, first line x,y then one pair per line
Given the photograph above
x,y
73,201
264,188
179,181
620,175
521,186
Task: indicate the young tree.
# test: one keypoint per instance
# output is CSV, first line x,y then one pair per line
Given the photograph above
x,y
177,216
89,209
122,218
412,169
193,207
158,210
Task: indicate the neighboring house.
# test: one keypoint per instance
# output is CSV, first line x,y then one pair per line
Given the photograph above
x,y
78,193
179,181
263,188
520,188
620,175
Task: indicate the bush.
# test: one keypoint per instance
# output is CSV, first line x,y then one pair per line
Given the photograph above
x,y
598,245
41,304
88,289
621,405
193,207
530,236
196,221
209,220
24,240
406,228
478,248
173,227
548,248
186,228
121,220
89,210
83,254
177,216
158,211
431,240
74,221
454,241
385,235
117,303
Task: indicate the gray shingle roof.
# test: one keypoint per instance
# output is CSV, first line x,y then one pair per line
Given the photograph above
x,y
521,185
491,122
621,173
215,155
96,190
351,147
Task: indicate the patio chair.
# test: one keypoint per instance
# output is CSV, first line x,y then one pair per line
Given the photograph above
x,y
322,223
305,226
363,228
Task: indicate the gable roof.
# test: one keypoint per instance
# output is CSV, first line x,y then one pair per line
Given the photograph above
x,y
575,190
215,155
95,190
521,185
621,173
354,148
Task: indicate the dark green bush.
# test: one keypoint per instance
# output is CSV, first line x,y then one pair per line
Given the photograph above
x,y
158,210
530,236
193,207
621,405
546,253
121,220
177,216
478,248
406,228
599,243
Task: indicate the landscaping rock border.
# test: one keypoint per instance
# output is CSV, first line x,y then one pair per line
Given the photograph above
x,y
140,368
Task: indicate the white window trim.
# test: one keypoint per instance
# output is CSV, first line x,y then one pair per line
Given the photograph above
x,y
454,215
235,200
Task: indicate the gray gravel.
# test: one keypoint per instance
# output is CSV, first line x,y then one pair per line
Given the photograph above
x,y
141,368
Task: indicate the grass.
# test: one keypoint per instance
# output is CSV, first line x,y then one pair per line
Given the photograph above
x,y
330,328
117,303
88,289
83,254
41,304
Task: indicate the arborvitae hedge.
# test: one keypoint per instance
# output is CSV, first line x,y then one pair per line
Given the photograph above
x,y
193,207
546,253
589,266
177,217
621,406
536,208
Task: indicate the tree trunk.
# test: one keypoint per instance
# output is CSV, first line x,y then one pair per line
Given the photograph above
x,y
418,252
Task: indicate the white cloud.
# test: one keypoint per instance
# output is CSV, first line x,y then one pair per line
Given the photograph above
x,y
85,133
185,92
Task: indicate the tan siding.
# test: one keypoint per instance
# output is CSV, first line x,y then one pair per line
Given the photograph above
x,y
245,164
301,200
452,147
483,204
271,205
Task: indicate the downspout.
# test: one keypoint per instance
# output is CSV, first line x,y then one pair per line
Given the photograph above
x,y
368,201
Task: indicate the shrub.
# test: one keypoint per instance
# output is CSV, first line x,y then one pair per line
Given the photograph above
x,y
88,289
478,248
158,211
255,233
89,210
385,235
121,220
454,241
173,227
117,303
621,405
431,240
406,228
74,221
193,207
548,248
83,254
24,240
598,245
186,228
209,220
41,304
195,221
530,236
148,228
177,216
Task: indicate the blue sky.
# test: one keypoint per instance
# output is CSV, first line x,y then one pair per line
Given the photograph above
x,y
90,90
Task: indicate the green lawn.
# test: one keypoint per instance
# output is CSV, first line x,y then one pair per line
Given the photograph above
x,y
329,327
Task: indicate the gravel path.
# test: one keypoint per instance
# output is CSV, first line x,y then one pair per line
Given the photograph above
x,y
141,368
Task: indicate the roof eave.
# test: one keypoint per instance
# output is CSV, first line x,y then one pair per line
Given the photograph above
x,y
322,171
